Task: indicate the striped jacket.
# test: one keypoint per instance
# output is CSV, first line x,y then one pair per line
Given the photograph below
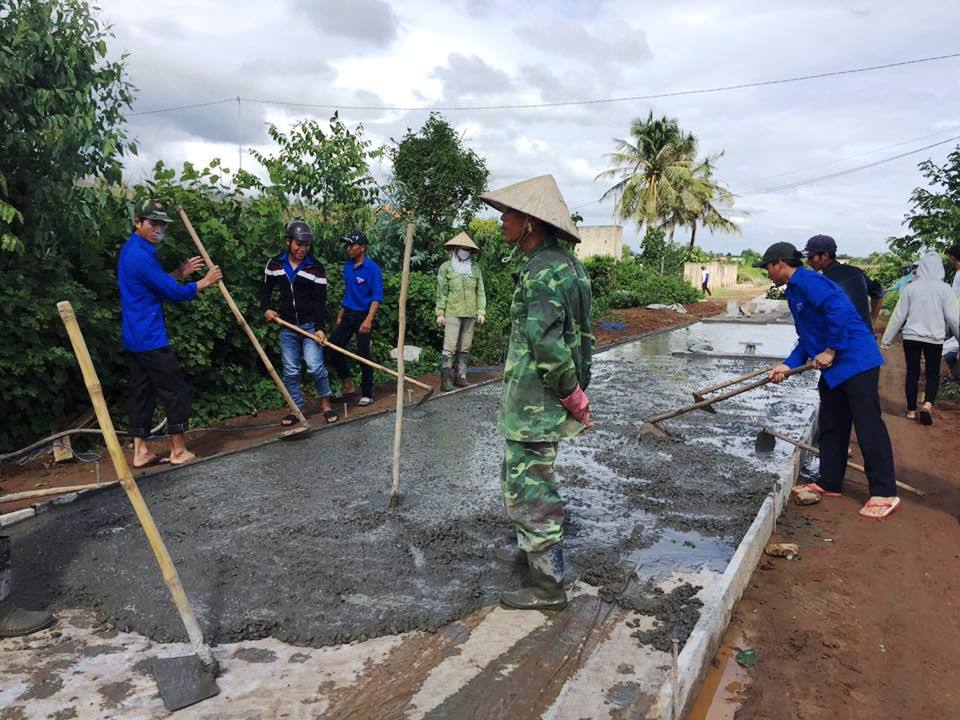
x,y
303,299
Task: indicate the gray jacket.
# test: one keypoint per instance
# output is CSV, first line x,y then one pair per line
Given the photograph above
x,y
928,310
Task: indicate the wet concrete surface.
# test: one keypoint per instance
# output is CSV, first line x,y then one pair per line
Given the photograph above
x,y
294,540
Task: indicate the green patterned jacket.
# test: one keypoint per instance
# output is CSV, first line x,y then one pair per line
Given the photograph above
x,y
460,295
551,346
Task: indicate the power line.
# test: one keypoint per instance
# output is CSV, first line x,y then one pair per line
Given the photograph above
x,y
811,181
566,103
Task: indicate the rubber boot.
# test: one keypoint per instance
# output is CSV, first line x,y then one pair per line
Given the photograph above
x,y
510,553
15,622
461,380
545,591
446,374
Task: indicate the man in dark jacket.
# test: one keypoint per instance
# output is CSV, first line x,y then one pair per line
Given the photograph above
x,y
302,283
865,294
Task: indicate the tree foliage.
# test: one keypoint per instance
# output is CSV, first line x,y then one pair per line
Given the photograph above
x,y
934,218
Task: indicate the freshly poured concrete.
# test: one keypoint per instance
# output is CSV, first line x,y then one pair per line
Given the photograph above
x,y
294,541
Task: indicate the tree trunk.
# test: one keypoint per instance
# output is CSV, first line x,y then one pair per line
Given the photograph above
x,y
693,233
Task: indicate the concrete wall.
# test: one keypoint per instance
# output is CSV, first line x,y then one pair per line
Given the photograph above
x,y
722,274
600,240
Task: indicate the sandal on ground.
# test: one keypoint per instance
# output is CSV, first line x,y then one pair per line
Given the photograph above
x,y
911,415
888,507
813,487
364,401
340,396
290,420
330,416
926,413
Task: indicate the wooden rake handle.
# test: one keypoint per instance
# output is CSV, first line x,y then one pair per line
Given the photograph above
x,y
723,396
358,358
733,381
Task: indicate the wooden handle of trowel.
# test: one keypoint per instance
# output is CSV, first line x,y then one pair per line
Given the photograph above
x,y
359,359
855,466
243,322
170,575
723,396
734,381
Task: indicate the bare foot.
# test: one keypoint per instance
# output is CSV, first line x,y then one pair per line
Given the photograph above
x,y
182,457
143,460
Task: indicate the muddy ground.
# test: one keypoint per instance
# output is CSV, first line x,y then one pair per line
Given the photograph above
x,y
294,540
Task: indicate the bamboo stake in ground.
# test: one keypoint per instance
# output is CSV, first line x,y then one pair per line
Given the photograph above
x,y
170,575
242,322
401,339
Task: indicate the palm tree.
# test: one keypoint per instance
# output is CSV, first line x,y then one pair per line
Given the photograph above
x,y
652,168
710,199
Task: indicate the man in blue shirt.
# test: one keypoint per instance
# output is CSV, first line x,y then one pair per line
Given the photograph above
x,y
842,346
362,295
153,365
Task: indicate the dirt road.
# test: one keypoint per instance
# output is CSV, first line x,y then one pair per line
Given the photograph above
x,y
865,624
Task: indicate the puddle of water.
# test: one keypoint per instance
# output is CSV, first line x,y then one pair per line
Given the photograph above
x,y
676,551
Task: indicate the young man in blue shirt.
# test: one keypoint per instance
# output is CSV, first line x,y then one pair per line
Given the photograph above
x,y
362,295
144,286
842,346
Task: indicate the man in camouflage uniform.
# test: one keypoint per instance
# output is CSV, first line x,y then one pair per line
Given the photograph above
x,y
547,370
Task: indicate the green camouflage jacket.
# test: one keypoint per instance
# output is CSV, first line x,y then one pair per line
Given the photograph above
x,y
460,295
551,346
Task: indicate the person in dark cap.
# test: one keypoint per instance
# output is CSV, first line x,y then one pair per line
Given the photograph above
x,y
154,369
362,295
830,332
302,282
865,294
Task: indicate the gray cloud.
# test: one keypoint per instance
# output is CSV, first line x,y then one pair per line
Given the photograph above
x,y
370,21
470,78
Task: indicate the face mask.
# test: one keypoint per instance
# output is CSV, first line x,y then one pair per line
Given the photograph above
x,y
463,253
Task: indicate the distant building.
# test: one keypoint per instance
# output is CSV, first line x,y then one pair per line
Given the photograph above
x,y
600,240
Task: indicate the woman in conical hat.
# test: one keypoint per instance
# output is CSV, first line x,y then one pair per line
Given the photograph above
x,y
544,378
461,305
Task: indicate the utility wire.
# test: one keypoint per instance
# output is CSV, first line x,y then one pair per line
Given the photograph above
x,y
566,103
848,171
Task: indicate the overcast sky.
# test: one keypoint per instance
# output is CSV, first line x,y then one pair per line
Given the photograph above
x,y
485,52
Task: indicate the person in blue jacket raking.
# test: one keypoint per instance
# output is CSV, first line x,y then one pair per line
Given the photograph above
x,y
843,348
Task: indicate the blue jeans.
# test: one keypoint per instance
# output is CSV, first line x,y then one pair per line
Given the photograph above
x,y
295,349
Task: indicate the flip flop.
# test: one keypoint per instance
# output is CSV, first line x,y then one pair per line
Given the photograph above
x,y
926,414
289,421
341,396
330,416
889,508
364,401
813,487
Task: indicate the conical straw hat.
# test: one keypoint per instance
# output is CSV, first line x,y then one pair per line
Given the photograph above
x,y
538,197
462,241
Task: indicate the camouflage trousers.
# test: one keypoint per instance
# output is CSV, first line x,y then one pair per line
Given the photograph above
x,y
530,494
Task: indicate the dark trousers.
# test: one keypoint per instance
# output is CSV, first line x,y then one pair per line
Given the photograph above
x,y
912,350
705,289
152,373
348,327
856,402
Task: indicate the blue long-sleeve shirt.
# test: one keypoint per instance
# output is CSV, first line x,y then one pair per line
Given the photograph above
x,y
143,287
825,318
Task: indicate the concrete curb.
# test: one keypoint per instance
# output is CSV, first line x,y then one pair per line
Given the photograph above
x,y
704,640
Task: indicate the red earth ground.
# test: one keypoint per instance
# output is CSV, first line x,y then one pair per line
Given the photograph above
x,y
866,622
43,473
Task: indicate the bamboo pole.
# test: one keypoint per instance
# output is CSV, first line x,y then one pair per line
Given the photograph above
x,y
401,340
167,568
43,492
242,322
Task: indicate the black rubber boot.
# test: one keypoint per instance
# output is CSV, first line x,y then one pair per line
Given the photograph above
x,y
545,591
461,380
15,622
510,554
446,379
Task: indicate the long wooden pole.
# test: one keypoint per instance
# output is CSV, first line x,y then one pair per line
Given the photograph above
x,y
170,575
347,353
43,492
243,323
401,340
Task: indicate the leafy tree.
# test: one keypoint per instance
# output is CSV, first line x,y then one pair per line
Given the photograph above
x,y
61,120
439,181
324,175
934,219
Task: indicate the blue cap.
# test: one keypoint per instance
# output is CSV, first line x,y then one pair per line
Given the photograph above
x,y
820,244
354,238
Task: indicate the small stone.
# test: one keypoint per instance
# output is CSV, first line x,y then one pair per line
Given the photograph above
x,y
806,497
784,550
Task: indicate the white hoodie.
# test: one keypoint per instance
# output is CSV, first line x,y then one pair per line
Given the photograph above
x,y
927,308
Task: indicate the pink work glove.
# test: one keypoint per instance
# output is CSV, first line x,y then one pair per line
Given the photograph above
x,y
578,404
